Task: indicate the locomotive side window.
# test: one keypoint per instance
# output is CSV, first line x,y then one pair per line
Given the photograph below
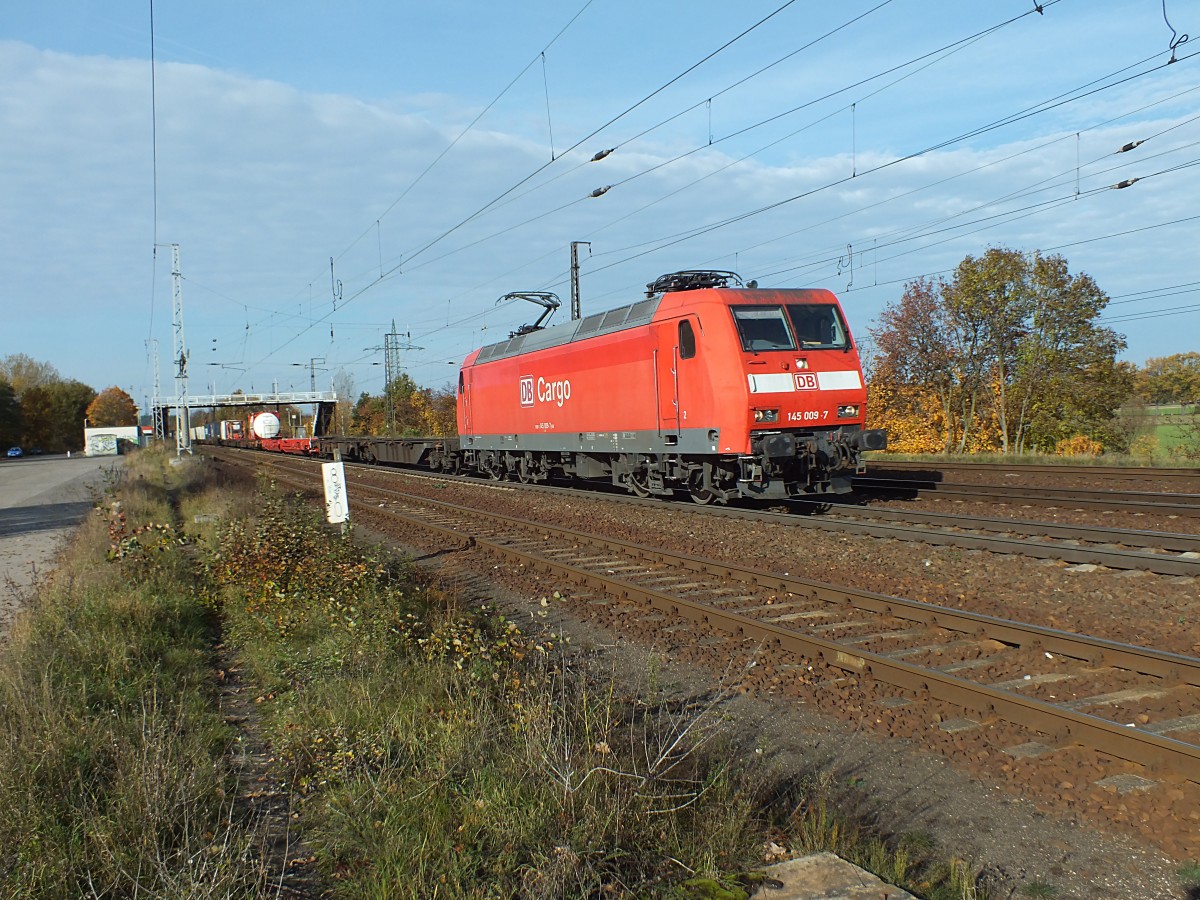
x,y
818,325
460,381
687,340
762,328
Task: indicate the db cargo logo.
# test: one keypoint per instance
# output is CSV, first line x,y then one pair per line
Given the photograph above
x,y
556,392
806,381
527,390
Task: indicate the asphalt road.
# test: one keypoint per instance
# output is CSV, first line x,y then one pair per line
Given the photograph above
x,y
42,499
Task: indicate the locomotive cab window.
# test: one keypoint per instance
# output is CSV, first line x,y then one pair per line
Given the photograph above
x,y
819,326
460,381
762,328
687,340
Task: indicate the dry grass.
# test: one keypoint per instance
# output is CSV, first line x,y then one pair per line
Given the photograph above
x,y
112,771
435,749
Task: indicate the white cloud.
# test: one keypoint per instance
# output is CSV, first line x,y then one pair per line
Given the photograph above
x,y
260,183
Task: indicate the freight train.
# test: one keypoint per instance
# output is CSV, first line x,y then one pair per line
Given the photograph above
x,y
707,387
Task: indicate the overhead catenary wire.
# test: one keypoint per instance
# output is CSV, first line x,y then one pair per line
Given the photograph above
x,y
1012,215
353,294
596,131
410,256
657,244
1044,106
945,50
470,125
950,48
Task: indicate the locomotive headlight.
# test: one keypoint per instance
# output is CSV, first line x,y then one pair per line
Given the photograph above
x,y
849,411
766,415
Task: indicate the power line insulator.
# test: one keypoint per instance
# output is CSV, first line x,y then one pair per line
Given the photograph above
x,y
1132,145
602,153
1126,183
600,191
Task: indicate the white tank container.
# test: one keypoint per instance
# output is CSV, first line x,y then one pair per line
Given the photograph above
x,y
265,425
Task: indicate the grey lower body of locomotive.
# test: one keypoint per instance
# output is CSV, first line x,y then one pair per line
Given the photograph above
x,y
782,464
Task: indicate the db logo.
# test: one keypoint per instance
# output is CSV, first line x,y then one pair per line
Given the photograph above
x,y
806,381
527,390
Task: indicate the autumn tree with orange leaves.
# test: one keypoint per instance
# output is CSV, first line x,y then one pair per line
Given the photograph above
x,y
417,411
112,407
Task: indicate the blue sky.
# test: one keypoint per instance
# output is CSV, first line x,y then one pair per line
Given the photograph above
x,y
287,134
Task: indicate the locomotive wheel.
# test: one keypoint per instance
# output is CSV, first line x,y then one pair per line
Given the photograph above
x,y
700,493
637,487
525,473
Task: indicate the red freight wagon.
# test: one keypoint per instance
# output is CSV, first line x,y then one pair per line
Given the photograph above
x,y
706,386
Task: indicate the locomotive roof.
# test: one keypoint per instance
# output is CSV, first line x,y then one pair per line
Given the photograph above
x,y
630,316
589,326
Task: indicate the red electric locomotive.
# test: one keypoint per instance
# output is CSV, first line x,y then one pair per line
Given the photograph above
x,y
707,386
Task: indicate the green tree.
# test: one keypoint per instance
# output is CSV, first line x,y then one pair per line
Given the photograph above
x,y
1170,379
404,395
369,416
416,411
112,407
53,415
1067,380
10,416
1011,348
987,304
24,372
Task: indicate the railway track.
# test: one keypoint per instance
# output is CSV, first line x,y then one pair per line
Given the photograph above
x,y
878,468
1057,688
1170,504
1162,553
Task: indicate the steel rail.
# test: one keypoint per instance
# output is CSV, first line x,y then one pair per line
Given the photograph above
x,y
1020,468
1126,501
842,518
1137,558
1161,755
1129,537
1171,667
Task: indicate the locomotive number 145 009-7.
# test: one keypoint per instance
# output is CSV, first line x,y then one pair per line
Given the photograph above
x,y
808,415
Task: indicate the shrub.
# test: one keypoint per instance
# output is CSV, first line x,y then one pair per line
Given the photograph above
x,y
1079,445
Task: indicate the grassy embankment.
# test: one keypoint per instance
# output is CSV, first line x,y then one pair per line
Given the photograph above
x,y
113,773
431,748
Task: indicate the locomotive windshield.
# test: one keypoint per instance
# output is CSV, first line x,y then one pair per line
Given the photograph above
x,y
818,325
762,328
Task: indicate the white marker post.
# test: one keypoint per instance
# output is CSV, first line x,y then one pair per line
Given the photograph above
x,y
337,503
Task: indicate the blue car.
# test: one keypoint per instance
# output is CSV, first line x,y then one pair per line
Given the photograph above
x,y
14,451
